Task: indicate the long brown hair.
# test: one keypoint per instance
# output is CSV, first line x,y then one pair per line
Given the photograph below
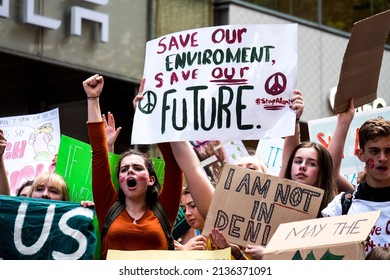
x,y
326,177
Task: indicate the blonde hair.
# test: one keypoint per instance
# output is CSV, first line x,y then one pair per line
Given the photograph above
x,y
56,180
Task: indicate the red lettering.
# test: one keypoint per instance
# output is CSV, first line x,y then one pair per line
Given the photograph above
x,y
158,78
173,43
228,35
375,230
356,141
320,136
174,78
242,70
188,38
161,44
185,75
190,73
182,42
388,227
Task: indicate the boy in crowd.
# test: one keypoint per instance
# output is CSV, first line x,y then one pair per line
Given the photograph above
x,y
374,192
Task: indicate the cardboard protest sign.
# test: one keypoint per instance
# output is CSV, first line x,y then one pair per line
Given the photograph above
x,y
224,254
32,142
330,238
248,206
321,131
362,62
218,83
40,229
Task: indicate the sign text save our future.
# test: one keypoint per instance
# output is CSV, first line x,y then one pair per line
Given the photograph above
x,y
218,83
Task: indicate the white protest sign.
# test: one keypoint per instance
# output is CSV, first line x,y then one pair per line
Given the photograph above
x,y
321,131
230,82
271,152
32,142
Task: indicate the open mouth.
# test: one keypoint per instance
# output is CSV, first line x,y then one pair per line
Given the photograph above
x,y
131,182
381,168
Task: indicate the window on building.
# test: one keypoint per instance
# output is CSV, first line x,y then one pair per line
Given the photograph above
x,y
332,13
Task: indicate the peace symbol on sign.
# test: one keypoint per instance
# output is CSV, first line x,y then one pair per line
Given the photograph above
x,y
148,103
276,84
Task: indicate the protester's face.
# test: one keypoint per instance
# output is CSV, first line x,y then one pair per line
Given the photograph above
x,y
134,177
253,163
46,190
376,156
192,215
305,168
25,191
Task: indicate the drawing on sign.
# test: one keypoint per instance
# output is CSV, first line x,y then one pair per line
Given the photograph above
x,y
275,85
40,140
148,104
327,256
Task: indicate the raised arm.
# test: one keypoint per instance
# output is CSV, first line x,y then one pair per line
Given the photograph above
x,y
93,87
111,132
104,192
198,183
336,145
290,142
4,184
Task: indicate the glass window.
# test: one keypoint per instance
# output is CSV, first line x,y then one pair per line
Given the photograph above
x,y
334,13
306,9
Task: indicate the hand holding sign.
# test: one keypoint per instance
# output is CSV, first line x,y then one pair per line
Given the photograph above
x,y
140,95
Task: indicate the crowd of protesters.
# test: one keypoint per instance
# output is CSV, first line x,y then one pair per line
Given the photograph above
x,y
136,226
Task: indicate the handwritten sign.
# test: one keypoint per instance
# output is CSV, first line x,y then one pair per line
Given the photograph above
x,y
271,152
224,254
321,131
248,206
40,229
331,238
219,83
32,142
75,166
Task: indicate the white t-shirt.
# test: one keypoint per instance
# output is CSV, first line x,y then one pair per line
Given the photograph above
x,y
364,200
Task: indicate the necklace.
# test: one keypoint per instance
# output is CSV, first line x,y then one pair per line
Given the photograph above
x,y
136,215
